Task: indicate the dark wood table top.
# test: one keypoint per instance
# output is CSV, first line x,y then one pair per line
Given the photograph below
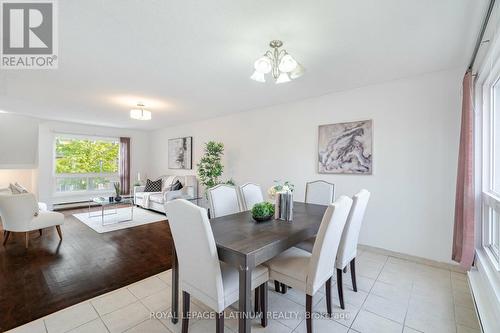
x,y
239,237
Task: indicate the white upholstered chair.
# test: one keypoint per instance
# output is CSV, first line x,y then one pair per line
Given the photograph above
x,y
349,243
250,195
320,192
202,275
21,213
223,200
308,272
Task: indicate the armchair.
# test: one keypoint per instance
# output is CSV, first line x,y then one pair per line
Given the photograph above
x,y
21,213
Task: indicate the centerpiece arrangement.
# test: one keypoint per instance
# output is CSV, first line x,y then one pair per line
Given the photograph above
x,y
118,196
282,193
263,211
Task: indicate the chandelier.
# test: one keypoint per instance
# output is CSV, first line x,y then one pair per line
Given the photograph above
x,y
282,66
140,113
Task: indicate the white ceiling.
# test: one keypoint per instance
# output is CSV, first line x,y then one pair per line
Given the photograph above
x,y
189,60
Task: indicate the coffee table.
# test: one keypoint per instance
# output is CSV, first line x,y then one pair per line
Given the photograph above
x,y
107,206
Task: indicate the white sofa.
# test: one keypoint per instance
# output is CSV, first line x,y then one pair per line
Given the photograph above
x,y
156,200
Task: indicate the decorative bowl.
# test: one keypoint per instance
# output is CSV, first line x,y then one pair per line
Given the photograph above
x,y
262,218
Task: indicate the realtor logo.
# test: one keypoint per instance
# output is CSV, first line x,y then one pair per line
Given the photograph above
x,y
29,34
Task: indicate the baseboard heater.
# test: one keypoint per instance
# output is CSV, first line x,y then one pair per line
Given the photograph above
x,y
73,205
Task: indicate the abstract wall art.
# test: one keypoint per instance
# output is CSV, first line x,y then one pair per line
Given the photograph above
x,y
180,153
346,148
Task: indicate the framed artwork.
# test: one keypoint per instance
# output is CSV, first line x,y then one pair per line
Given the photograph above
x,y
346,148
180,153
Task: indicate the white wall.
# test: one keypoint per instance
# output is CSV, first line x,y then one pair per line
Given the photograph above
x,y
416,131
18,141
139,154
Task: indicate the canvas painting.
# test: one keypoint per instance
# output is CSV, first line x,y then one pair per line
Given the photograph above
x,y
180,153
346,148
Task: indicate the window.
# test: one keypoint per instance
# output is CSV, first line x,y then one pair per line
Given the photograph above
x,y
85,164
491,169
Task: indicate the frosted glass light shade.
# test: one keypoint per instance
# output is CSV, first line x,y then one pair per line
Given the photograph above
x,y
263,65
258,76
297,72
287,64
140,114
283,78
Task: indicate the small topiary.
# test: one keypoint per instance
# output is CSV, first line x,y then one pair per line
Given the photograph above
x,y
263,211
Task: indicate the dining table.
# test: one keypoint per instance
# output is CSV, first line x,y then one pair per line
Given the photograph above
x,y
245,243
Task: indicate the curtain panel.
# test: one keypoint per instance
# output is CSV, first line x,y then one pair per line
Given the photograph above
x,y
125,165
463,233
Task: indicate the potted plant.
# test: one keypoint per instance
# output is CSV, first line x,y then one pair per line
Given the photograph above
x,y
210,167
118,197
262,211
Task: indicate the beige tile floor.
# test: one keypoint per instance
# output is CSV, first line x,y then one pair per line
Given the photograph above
x,y
393,295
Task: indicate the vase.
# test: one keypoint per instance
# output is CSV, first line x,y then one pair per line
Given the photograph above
x,y
284,206
118,198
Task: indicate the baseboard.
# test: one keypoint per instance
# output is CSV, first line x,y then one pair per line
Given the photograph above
x,y
420,260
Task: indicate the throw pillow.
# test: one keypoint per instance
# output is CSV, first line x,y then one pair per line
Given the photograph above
x,y
153,186
17,189
22,188
176,186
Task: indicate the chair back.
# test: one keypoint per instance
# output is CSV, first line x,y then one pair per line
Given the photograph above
x,y
223,200
349,241
196,252
17,211
320,192
322,263
250,195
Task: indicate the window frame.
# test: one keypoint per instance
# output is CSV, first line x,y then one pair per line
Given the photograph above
x,y
112,176
489,199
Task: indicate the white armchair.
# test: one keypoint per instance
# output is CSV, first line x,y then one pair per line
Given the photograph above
x,y
21,213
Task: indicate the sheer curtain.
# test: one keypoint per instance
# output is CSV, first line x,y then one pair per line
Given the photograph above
x,y
463,234
125,165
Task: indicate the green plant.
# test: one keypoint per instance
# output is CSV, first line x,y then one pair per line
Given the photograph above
x,y
210,167
117,189
263,209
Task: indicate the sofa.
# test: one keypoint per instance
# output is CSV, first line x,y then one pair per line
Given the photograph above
x,y
156,200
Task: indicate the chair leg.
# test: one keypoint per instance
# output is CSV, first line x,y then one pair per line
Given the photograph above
x,y
340,288
26,239
219,323
277,285
6,235
257,300
328,291
284,288
263,304
353,274
40,232
59,232
309,325
185,311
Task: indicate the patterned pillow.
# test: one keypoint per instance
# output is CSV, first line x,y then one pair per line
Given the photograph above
x,y
153,186
17,189
176,186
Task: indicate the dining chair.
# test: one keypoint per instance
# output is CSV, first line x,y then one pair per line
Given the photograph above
x,y
202,275
250,194
223,200
22,213
349,243
320,192
308,272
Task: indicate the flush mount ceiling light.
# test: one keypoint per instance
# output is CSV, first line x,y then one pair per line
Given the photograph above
x,y
140,113
282,66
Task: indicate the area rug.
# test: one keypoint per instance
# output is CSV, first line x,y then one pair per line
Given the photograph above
x,y
111,221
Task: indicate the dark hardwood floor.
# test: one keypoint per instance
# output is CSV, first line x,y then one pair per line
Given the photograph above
x,y
52,275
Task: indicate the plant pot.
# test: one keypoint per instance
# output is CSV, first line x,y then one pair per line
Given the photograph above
x,y
262,218
118,199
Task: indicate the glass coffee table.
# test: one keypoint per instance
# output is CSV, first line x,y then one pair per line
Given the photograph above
x,y
110,208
